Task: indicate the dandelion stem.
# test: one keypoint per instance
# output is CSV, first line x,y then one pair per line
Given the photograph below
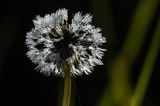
x,y
67,86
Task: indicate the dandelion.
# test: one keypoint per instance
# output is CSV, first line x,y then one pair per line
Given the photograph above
x,y
54,42
62,48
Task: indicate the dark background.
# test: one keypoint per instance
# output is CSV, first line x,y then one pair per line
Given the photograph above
x,y
21,85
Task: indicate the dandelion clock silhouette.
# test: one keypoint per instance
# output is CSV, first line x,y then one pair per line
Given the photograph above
x,y
65,49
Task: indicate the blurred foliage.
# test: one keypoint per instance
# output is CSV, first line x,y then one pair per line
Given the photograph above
x,y
120,92
127,32
146,72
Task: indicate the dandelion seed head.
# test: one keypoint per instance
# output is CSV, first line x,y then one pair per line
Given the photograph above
x,y
54,42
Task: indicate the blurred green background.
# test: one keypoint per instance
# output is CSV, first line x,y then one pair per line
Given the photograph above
x,y
130,75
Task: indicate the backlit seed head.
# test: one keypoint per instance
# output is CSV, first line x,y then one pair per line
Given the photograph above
x,y
54,42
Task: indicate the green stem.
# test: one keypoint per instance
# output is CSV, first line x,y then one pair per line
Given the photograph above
x,y
145,75
67,86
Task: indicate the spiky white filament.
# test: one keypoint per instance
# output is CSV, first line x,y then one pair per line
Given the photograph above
x,y
87,51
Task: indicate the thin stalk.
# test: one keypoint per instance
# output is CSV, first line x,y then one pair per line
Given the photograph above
x,y
67,86
147,68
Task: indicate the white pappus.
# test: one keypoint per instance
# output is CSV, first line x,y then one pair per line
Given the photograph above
x,y
54,42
